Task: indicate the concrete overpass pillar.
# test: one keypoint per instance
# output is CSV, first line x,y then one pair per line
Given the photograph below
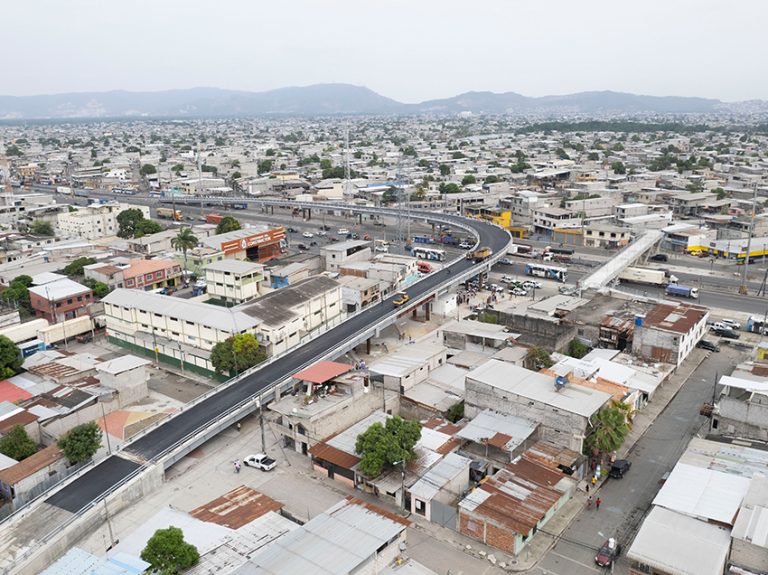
x,y
427,310
368,346
273,210
309,215
360,218
415,312
277,393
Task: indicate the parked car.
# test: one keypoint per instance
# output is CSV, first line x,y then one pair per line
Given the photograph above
x,y
608,553
322,233
659,258
507,279
530,284
728,333
465,245
401,298
708,345
308,235
304,247
718,325
619,468
731,323
342,232
292,230
505,261
518,291
260,461
568,290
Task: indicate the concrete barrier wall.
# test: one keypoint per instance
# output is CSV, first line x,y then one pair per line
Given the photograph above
x,y
92,520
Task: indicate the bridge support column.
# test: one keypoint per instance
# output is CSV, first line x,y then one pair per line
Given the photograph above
x,y
368,346
360,218
426,310
415,312
272,210
277,393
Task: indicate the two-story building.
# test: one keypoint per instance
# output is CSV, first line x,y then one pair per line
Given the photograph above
x,y
358,293
668,333
60,300
151,274
337,255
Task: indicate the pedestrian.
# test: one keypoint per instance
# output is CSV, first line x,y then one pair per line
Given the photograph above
x,y
588,489
597,504
589,502
237,467
594,480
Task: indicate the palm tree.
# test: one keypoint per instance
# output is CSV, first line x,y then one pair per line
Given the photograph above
x,y
184,240
610,427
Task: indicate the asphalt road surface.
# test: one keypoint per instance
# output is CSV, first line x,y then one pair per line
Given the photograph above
x,y
108,473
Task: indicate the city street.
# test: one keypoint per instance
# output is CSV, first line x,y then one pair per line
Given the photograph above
x,y
627,500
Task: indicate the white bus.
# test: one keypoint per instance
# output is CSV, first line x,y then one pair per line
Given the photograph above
x,y
424,253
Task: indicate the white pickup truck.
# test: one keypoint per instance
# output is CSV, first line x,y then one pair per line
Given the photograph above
x,y
260,461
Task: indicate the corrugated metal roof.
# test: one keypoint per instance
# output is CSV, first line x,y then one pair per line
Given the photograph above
x,y
680,545
224,319
487,424
335,542
236,507
703,493
323,371
538,387
436,478
345,441
59,289
332,455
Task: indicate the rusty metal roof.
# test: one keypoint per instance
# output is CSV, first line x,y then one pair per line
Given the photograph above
x,y
675,318
323,371
332,455
31,464
236,508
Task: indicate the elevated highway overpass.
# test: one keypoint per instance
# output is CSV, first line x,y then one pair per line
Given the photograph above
x,y
610,270
22,542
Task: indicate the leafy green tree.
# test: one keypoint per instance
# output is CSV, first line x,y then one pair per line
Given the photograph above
x,y
720,193
389,196
449,188
148,169
17,293
270,152
13,150
577,349
609,429
168,553
326,164
41,228
618,167
562,154
127,220
75,267
99,289
17,444
264,166
177,168
492,179
457,155
445,170
455,412
185,240
593,156
81,442
228,224
236,176
383,446
236,354
468,179
146,228
538,358
209,169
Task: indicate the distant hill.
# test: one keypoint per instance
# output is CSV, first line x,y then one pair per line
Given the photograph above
x,y
334,99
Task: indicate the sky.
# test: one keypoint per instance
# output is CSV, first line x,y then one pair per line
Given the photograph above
x,y
409,50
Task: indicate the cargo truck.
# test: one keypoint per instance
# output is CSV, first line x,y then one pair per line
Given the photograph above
x,y
647,276
479,254
169,214
213,219
682,291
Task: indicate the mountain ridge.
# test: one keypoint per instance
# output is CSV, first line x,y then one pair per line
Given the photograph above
x,y
336,99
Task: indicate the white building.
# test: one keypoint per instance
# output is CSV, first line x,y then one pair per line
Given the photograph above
x,y
668,333
192,186
336,255
234,281
179,329
94,222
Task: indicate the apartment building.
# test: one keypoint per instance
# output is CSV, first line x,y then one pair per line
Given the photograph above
x,y
193,186
358,293
547,220
668,333
234,281
173,329
600,235
94,222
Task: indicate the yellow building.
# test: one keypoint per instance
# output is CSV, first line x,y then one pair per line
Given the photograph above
x,y
496,216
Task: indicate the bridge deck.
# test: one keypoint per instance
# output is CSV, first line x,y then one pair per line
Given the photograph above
x,y
625,258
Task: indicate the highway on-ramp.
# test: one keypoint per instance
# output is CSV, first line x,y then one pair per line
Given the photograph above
x,y
112,471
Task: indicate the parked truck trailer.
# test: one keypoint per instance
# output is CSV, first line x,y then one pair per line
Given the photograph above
x,y
169,214
646,276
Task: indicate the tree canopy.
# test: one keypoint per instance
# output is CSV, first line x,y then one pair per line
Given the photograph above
x,y
577,349
383,446
468,179
538,358
10,357
236,354
228,224
17,444
41,228
75,267
17,292
81,442
449,188
148,169
127,220
168,553
146,228
609,429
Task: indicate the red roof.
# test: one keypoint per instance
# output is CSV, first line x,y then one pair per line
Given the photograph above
x,y
12,393
323,371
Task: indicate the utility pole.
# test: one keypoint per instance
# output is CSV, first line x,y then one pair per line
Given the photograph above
x,y
743,290
261,424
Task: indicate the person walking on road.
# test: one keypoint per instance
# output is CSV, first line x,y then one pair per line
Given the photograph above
x,y
594,480
589,502
597,504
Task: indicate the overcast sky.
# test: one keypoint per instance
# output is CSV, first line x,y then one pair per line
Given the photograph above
x,y
409,50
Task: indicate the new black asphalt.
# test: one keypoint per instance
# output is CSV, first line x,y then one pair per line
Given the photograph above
x,y
113,470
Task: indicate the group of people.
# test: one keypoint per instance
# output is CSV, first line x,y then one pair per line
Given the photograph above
x,y
597,502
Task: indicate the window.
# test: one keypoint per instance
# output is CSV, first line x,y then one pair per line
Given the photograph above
x,y
69,301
